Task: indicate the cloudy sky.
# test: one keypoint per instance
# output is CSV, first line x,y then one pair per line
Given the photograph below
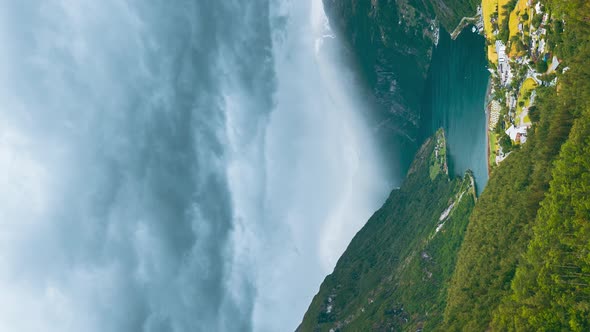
x,y
175,166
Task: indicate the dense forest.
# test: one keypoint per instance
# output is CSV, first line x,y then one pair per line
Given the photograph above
x,y
523,263
450,12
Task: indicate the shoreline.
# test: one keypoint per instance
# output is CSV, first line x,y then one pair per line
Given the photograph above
x,y
465,21
487,111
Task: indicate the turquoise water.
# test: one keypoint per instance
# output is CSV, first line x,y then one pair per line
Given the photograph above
x,y
455,96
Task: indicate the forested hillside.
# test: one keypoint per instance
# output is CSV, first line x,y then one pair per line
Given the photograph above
x,y
394,273
524,262
551,288
450,12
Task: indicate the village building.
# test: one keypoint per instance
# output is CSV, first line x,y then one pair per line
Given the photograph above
x,y
503,66
517,133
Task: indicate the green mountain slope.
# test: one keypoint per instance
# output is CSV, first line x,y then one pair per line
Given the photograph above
x,y
551,289
517,261
499,229
510,236
394,273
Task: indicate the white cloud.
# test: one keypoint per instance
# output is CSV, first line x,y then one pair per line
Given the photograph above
x,y
174,166
324,175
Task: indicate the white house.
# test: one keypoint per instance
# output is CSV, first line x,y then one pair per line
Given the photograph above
x,y
501,51
538,7
517,133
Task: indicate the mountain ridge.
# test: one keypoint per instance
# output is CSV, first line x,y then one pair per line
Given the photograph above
x,y
415,233
515,260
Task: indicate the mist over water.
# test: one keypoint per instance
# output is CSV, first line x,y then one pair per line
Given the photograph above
x,y
175,166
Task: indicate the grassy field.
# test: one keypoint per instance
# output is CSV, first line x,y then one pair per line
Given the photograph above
x,y
502,14
492,55
493,148
527,119
488,7
527,86
515,18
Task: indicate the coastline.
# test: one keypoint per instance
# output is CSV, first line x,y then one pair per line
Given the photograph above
x,y
456,91
465,21
487,111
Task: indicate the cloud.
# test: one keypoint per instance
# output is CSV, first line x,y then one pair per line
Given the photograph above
x,y
196,166
118,213
324,175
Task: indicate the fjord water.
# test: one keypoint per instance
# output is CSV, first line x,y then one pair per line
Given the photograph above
x,y
455,97
184,165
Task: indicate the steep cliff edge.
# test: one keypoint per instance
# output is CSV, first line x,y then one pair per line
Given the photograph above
x,y
394,273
